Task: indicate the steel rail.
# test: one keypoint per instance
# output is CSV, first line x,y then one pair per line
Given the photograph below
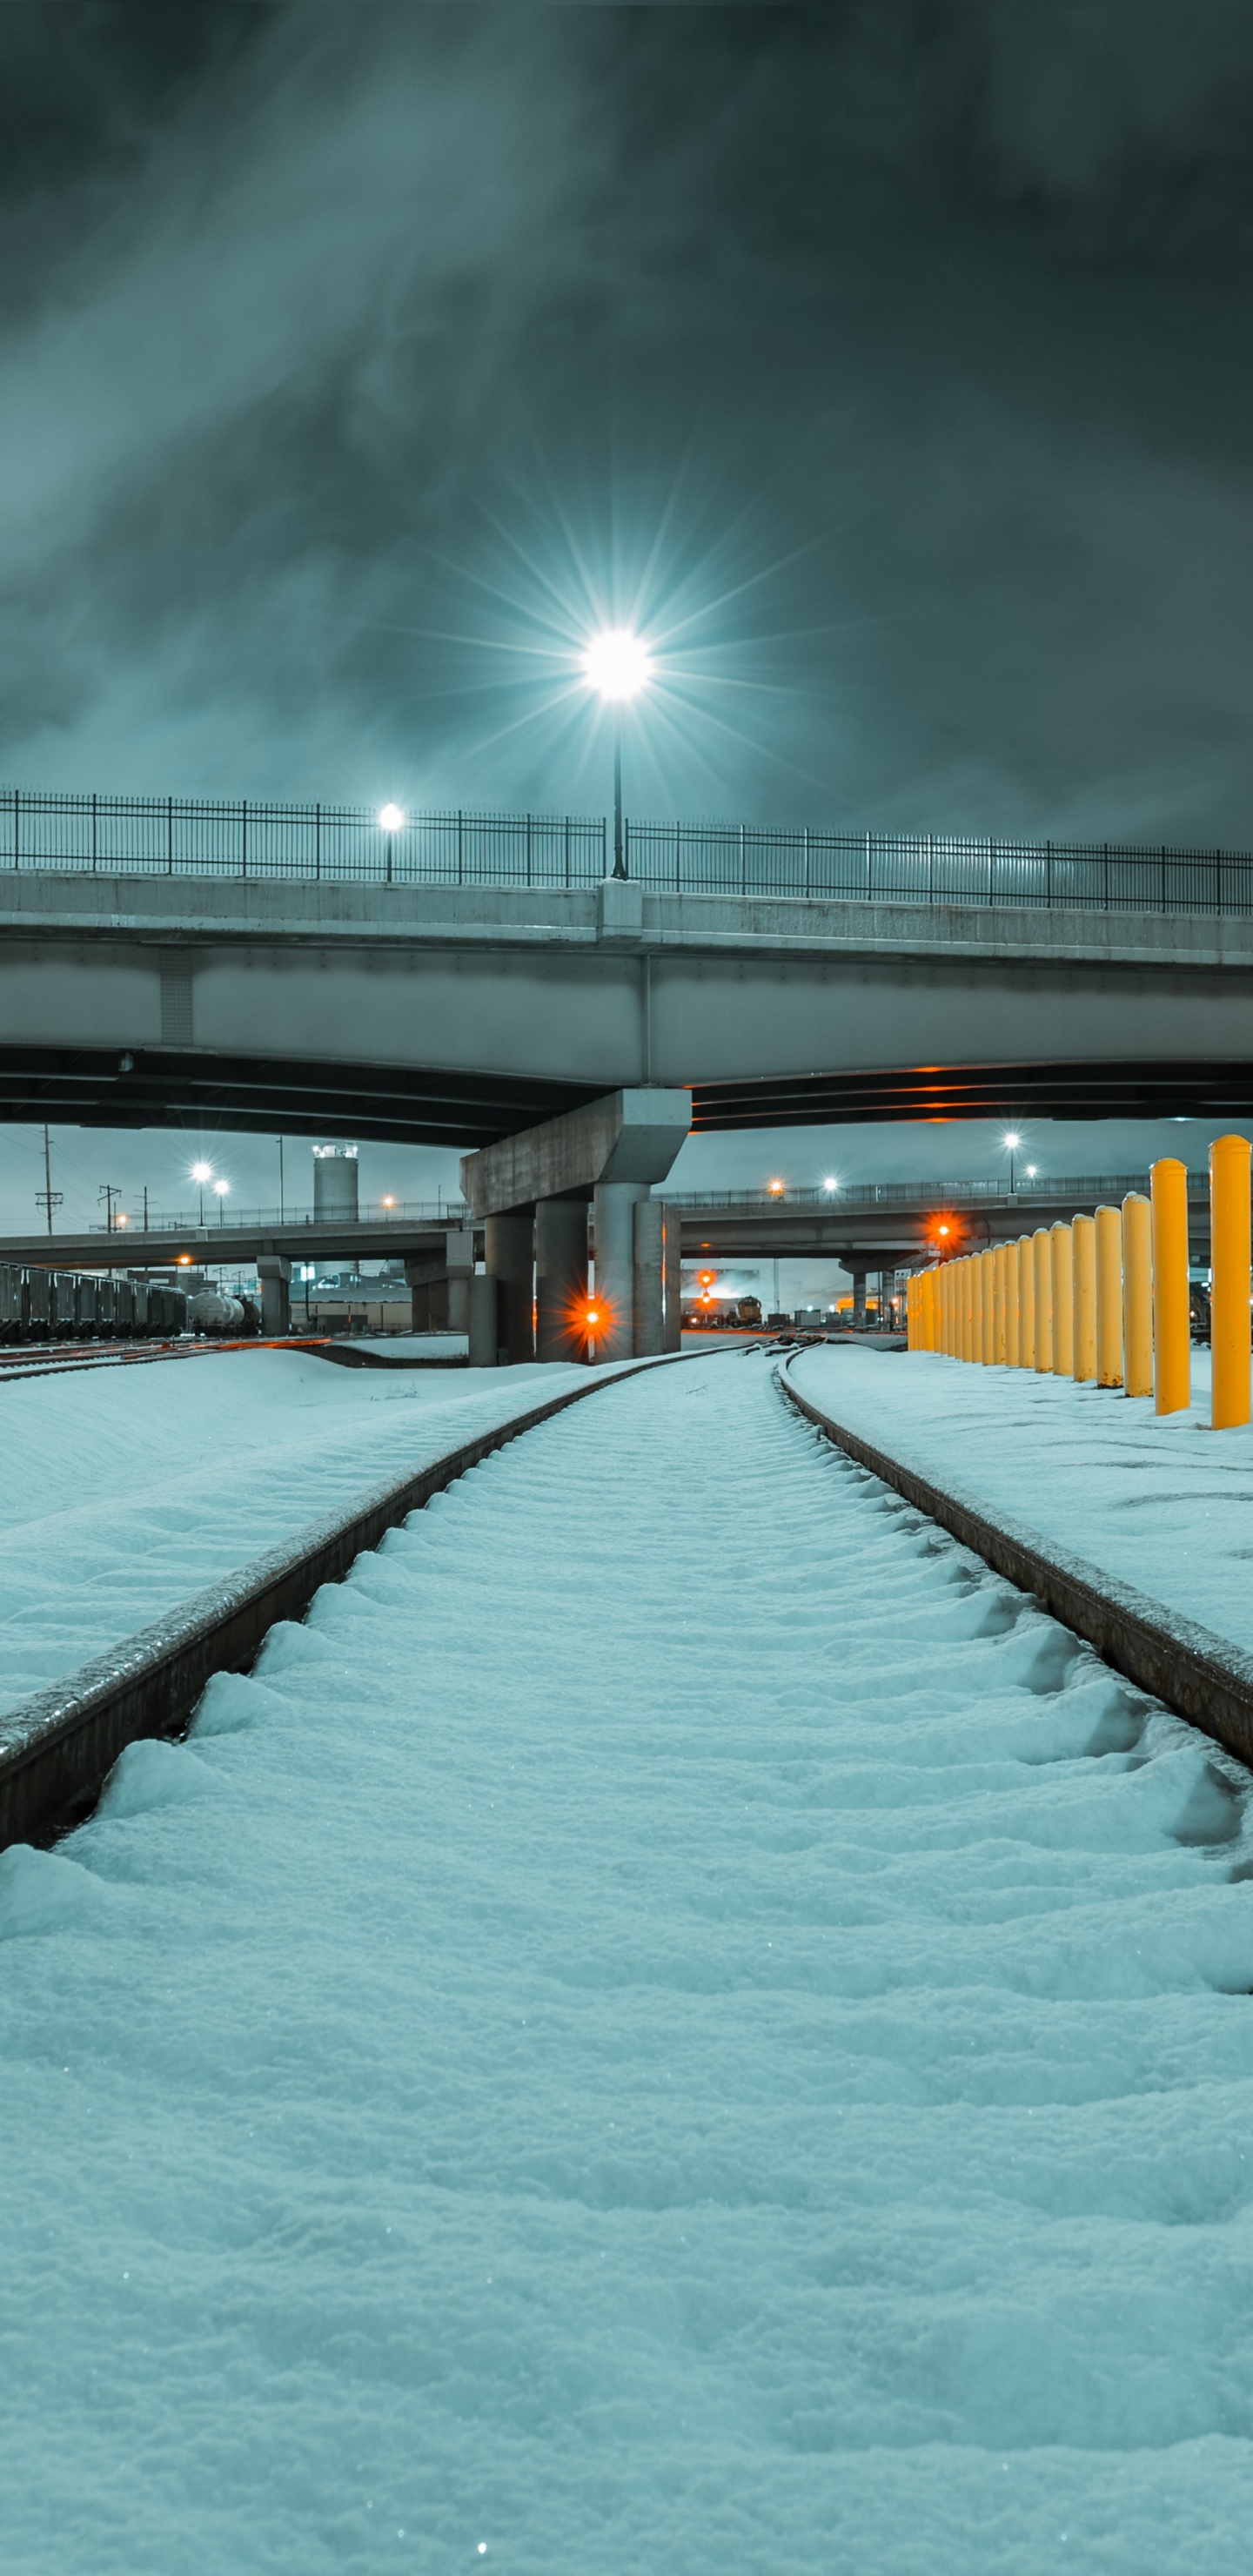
x,y
58,1747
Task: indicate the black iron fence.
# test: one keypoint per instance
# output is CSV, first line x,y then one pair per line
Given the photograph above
x,y
227,837
1107,1188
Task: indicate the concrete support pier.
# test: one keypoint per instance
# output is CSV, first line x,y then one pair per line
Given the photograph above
x,y
274,1273
484,1328
439,1285
531,1192
615,1205
510,1261
560,1279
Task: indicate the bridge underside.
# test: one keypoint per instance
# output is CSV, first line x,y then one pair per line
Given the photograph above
x,y
263,1095
1194,1088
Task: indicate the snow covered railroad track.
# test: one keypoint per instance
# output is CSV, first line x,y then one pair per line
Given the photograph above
x,y
677,2023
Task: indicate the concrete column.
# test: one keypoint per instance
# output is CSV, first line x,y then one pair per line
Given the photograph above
x,y
649,1299
672,1280
510,1261
484,1329
560,1279
274,1273
613,1225
859,1296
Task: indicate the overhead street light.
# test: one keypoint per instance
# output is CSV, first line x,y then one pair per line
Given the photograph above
x,y
391,818
201,1172
1011,1144
617,665
222,1189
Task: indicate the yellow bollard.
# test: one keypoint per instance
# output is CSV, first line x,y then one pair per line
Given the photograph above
x,y
1230,1282
1083,1294
1137,1294
967,1292
1062,1267
945,1326
1025,1250
976,1339
1108,1222
1011,1305
1172,1313
999,1277
1042,1251
987,1272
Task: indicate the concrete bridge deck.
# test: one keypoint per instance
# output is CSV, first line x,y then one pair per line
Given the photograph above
x,y
459,1014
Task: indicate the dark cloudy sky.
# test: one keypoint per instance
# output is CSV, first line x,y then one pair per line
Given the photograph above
x,y
889,361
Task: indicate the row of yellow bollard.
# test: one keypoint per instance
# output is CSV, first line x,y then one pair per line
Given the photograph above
x,y
1105,1298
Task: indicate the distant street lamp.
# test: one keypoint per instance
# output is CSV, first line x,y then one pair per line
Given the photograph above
x,y
201,1172
222,1189
1012,1144
617,664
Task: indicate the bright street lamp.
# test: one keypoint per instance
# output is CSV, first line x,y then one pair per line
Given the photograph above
x,y
222,1190
201,1172
617,664
391,819
1011,1144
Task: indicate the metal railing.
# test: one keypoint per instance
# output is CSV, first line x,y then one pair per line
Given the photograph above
x,y
402,1212
233,838
1106,1187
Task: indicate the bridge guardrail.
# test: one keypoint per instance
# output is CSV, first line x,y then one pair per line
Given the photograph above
x,y
69,831
927,1194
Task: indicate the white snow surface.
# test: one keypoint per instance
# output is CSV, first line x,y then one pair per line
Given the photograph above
x,y
676,2024
125,1490
1160,1501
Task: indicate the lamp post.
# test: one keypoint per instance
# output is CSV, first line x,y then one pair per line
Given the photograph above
x,y
1011,1144
617,665
222,1190
201,1172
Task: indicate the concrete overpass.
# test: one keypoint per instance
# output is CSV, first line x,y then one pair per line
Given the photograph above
x,y
454,1014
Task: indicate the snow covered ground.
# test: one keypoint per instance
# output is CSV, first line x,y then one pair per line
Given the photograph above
x,y
1164,1503
126,1489
677,2027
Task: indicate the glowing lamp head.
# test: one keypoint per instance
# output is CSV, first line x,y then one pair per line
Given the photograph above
x,y
776,1188
593,1317
617,664
1032,1169
222,1189
830,1182
202,1172
391,819
389,1203
941,1229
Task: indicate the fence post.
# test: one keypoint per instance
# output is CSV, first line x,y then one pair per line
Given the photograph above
x,y
743,864
317,842
1137,1294
1083,1295
94,835
1229,1298
1109,1296
17,807
1172,1321
1063,1280
1042,1259
169,836
1048,876
1026,1301
566,847
244,811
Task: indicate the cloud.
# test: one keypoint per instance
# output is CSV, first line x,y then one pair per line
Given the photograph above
x,y
889,356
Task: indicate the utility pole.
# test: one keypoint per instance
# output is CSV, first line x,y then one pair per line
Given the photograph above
x,y
108,1191
282,1205
47,1197
145,1207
